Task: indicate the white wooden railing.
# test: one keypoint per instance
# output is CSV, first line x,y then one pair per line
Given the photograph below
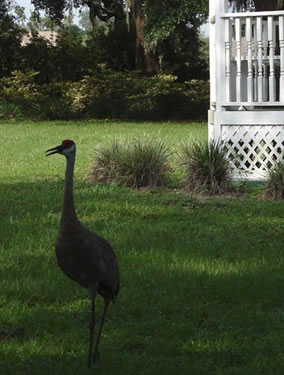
x,y
253,50
247,87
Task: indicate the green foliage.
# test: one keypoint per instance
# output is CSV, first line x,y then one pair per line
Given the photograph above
x,y
161,97
170,30
10,111
75,54
104,9
174,41
108,94
53,108
274,187
37,55
182,54
197,103
163,18
207,168
60,62
136,163
154,97
68,56
4,7
21,86
112,45
101,95
54,8
20,95
23,97
10,45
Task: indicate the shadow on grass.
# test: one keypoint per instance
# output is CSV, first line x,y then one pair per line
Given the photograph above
x,y
200,291
164,318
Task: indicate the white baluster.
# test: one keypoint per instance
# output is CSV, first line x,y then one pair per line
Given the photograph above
x,y
249,57
271,43
259,58
265,57
265,83
255,80
281,43
221,6
238,48
228,38
264,39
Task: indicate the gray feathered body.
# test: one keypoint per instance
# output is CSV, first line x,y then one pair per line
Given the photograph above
x,y
87,258
81,254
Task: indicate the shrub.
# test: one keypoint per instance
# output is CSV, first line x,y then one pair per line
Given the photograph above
x,y
10,111
107,94
274,187
196,102
155,98
133,164
20,95
100,95
55,104
21,86
207,168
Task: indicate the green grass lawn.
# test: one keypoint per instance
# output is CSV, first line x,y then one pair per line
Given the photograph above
x,y
202,280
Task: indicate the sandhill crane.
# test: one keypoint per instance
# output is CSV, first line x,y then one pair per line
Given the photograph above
x,y
82,255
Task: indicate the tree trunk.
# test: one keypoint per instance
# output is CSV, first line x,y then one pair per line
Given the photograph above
x,y
145,60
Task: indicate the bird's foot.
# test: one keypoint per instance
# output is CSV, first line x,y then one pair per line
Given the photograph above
x,y
96,357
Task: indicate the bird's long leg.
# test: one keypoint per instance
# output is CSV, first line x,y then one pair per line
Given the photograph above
x,y
96,352
93,291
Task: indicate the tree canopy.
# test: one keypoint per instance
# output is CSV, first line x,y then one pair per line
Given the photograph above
x,y
154,21
103,9
164,17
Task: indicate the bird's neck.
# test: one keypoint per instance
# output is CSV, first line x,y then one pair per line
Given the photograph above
x,y
69,212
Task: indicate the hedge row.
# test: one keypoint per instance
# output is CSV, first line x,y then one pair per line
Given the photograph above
x,y
104,94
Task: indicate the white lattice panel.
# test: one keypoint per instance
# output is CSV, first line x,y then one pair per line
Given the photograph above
x,y
254,148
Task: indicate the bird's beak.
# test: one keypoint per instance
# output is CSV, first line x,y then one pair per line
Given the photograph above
x,y
54,150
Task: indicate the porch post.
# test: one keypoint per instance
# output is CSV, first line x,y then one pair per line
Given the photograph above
x,y
281,42
221,6
218,61
212,65
212,53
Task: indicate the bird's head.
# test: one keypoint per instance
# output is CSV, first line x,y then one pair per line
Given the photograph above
x,y
67,148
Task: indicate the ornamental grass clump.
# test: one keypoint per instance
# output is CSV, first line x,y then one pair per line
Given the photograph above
x,y
274,187
208,169
134,163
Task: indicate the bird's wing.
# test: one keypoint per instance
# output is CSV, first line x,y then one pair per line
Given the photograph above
x,y
104,256
88,258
